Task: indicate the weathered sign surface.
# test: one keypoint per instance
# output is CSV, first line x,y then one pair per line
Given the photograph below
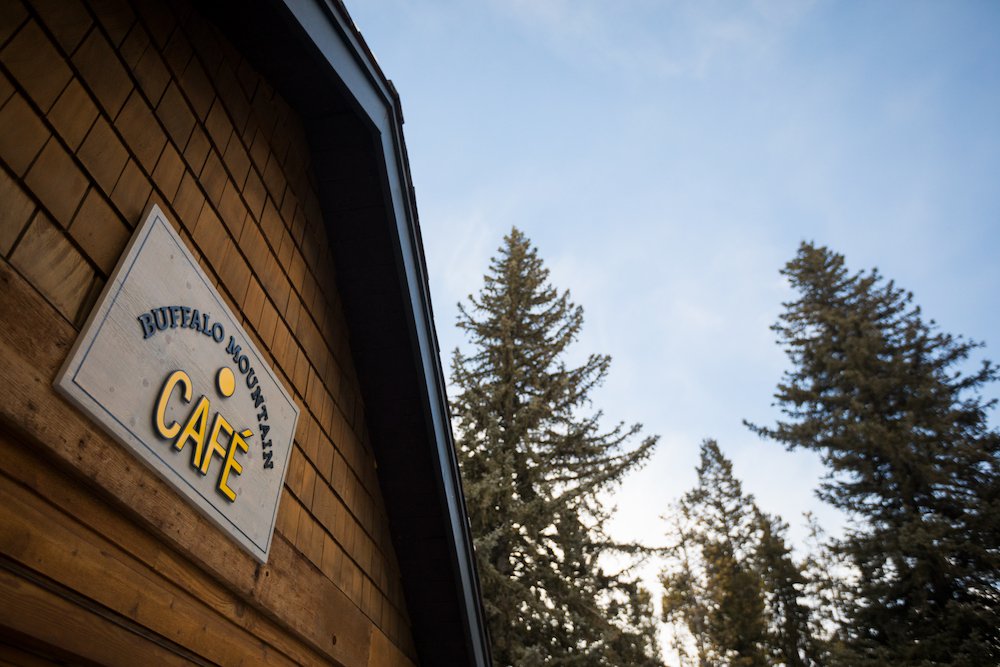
x,y
165,367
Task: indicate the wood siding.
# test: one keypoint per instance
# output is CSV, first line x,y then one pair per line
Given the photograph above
x,y
107,107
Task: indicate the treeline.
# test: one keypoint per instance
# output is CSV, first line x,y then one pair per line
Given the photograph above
x,y
887,401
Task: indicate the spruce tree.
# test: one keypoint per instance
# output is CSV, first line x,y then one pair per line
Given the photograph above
x,y
730,579
685,602
829,593
894,408
535,461
791,638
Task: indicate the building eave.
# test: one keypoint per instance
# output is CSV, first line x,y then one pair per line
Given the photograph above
x,y
316,57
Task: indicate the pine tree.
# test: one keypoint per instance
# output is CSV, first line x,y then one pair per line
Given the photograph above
x,y
888,402
829,581
730,578
791,635
726,538
685,600
534,463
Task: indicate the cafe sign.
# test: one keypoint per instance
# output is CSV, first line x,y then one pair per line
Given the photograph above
x,y
164,366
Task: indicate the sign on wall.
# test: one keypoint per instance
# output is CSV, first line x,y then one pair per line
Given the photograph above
x,y
165,367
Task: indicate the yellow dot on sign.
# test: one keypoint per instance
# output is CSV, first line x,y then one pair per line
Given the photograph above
x,y
226,381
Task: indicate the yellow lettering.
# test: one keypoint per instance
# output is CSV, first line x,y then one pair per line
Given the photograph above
x,y
214,446
175,378
232,464
195,430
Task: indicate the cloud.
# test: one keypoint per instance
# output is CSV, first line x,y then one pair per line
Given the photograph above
x,y
667,157
460,259
660,39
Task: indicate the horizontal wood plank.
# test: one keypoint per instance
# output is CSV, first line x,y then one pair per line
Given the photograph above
x,y
31,609
52,544
288,591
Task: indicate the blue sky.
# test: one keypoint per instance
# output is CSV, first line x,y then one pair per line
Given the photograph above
x,y
668,157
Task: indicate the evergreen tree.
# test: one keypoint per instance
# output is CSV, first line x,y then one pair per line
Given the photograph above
x,y
685,600
829,582
534,464
730,578
886,400
791,637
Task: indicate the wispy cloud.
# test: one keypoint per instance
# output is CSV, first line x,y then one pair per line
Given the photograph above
x,y
661,39
668,156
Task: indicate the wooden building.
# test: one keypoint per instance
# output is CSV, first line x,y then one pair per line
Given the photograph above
x,y
268,137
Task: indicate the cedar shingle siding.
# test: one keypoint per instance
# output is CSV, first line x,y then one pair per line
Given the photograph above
x,y
106,108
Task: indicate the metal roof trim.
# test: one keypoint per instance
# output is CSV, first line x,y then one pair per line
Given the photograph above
x,y
331,30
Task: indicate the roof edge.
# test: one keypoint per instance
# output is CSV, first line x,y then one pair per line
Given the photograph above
x,y
334,34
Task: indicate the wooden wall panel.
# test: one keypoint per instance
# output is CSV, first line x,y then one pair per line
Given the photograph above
x,y
106,108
